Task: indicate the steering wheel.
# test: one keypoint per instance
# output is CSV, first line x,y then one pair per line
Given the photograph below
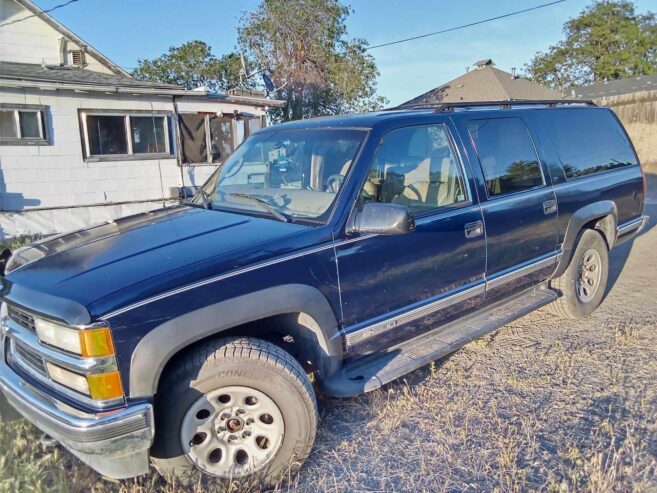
x,y
333,183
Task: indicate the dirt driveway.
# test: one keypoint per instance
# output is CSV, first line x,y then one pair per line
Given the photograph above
x,y
543,404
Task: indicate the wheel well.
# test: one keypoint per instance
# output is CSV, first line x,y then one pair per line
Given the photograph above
x,y
289,331
606,225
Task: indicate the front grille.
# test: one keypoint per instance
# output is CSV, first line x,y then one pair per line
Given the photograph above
x,y
29,358
21,317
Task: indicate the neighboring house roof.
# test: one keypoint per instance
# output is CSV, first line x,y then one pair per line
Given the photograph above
x,y
616,87
64,31
54,77
486,83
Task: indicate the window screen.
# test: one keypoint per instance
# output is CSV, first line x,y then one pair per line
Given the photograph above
x,y
107,134
193,136
221,135
506,154
8,128
29,124
148,134
587,140
415,167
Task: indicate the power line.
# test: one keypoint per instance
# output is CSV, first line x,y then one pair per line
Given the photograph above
x,y
40,13
466,25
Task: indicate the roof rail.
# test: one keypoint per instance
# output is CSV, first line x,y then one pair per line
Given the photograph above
x,y
504,105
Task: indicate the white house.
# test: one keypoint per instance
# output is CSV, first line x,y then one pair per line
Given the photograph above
x,y
83,142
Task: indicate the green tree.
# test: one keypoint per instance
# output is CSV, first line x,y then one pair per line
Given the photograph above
x,y
303,46
608,40
192,65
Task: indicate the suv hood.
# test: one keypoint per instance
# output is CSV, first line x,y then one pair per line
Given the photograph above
x,y
158,250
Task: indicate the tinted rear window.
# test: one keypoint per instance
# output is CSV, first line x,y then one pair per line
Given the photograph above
x,y
588,141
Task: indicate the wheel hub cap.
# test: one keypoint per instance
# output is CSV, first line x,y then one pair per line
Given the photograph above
x,y
588,275
232,431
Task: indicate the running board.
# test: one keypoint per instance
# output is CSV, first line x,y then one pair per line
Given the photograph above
x,y
373,371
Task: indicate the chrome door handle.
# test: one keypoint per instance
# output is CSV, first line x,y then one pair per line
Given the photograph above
x,y
549,206
474,229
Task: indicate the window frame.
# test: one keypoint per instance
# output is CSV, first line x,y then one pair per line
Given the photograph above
x,y
40,110
481,166
208,137
126,114
459,164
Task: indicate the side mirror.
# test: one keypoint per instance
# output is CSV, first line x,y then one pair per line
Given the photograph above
x,y
381,219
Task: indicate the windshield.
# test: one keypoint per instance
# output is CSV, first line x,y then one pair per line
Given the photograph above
x,y
284,174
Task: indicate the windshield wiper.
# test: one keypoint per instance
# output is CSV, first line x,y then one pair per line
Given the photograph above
x,y
264,204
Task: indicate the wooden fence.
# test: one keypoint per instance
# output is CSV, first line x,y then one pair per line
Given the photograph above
x,y
638,112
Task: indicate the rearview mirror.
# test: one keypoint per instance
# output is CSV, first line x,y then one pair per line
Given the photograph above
x,y
381,219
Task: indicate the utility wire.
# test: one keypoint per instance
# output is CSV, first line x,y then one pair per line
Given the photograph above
x,y
466,25
40,13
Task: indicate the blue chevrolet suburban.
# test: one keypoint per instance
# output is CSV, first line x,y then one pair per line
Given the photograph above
x,y
342,251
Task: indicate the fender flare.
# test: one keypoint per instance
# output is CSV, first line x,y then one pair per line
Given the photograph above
x,y
588,213
156,348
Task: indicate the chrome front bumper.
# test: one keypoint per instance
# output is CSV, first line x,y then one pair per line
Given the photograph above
x,y
114,443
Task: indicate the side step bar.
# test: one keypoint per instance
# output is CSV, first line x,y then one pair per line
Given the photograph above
x,y
373,371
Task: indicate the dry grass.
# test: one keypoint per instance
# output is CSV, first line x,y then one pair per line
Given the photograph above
x,y
544,404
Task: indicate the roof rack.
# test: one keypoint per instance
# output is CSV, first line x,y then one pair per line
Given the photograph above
x,y
504,105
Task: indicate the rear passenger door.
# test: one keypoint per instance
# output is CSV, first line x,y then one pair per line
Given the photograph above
x,y
518,204
394,287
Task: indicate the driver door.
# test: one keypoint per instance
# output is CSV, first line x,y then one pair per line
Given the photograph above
x,y
396,287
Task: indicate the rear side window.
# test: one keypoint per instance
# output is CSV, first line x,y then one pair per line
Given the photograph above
x,y
588,141
506,154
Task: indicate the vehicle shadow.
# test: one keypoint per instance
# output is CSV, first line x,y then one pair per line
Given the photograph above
x,y
619,255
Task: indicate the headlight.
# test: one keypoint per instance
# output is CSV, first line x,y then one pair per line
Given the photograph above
x,y
98,386
92,343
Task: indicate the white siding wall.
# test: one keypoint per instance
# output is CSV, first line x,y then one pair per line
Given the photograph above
x,y
57,176
32,40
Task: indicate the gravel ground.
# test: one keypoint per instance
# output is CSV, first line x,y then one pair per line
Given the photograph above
x,y
543,404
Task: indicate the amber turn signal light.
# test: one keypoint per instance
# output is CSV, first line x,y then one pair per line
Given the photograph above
x,y
95,343
104,386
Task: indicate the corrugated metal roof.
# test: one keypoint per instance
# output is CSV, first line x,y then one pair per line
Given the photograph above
x,y
486,84
616,87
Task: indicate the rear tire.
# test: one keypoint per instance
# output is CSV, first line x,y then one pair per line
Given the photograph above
x,y
237,409
584,282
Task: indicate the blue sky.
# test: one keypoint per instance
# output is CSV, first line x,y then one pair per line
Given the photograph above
x,y
126,30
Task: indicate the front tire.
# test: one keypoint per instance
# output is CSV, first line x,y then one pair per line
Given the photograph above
x,y
235,408
584,282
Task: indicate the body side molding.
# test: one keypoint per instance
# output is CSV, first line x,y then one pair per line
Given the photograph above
x,y
156,349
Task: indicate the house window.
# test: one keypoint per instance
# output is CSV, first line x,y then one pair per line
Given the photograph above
x,y
206,137
22,124
125,135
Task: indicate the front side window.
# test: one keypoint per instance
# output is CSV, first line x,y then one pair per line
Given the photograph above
x,y
507,155
415,167
285,174
22,124
588,141
140,136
